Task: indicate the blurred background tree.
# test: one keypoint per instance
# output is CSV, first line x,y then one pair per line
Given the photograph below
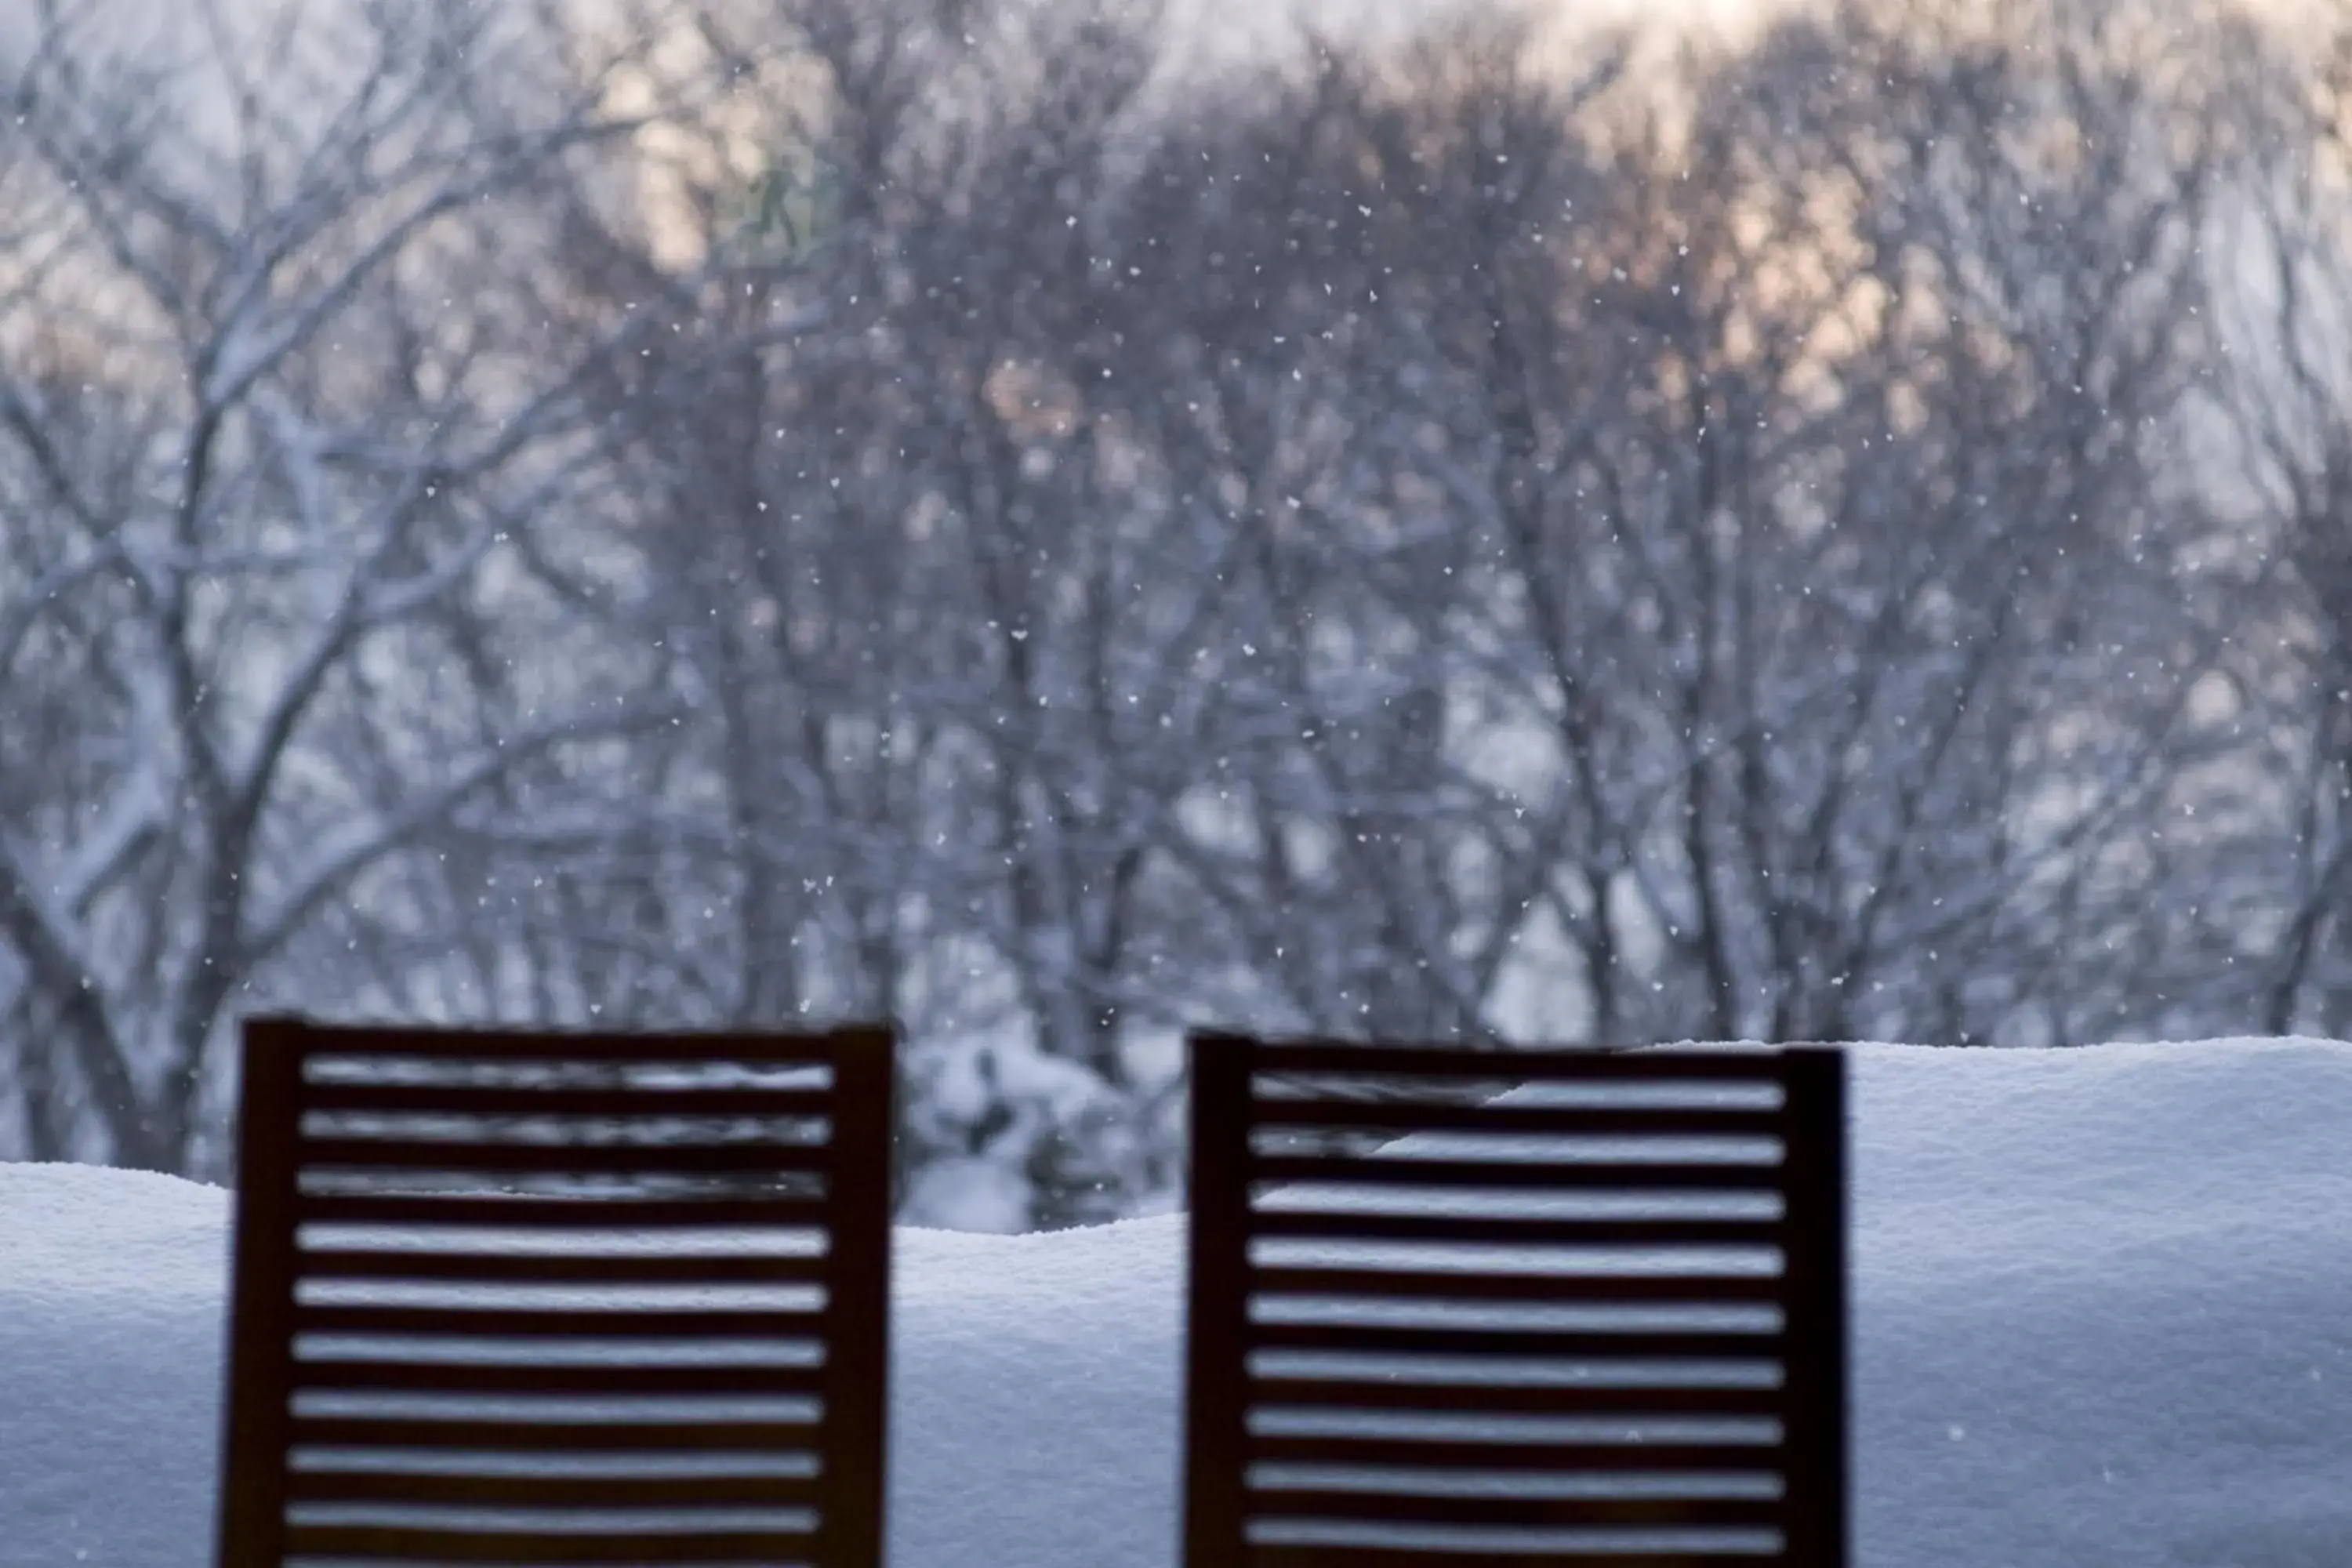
x,y
741,511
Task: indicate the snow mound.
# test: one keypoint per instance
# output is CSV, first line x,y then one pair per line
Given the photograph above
x,y
2102,1316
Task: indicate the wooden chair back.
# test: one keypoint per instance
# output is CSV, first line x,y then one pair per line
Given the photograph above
x,y
536,1298
1596,1323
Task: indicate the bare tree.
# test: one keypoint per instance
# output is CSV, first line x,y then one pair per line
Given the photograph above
x,y
767,509
2283,484
276,463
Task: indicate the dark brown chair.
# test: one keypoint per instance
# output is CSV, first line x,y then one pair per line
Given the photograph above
x,y
1513,1393
402,1388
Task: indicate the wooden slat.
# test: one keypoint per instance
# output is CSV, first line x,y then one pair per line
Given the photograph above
x,y
478,1322
616,1104
1344,1058
477,1435
1662,1230
429,1489
1429,1285
603,1378
1511,1399
744,1157
1613,1121
554,1269
1503,1458
378,1043
1514,1175
1338,1556
618,1213
1528,1344
1335,1503
772,1549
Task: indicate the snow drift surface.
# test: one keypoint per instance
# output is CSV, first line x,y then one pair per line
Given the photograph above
x,y
2104,1317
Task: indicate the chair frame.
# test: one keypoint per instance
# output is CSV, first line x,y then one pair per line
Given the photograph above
x,y
260,1427
1811,1514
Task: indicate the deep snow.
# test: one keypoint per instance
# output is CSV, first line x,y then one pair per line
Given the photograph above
x,y
2104,1317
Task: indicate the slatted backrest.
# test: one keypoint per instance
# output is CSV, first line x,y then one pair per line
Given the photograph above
x,y
507,1298
1599,1321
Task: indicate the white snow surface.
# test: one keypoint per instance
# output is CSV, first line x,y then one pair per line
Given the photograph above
x,y
2103,1319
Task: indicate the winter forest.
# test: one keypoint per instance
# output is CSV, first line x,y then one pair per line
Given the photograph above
x,y
1027,519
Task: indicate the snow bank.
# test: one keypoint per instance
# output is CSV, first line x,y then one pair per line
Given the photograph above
x,y
2103,1316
